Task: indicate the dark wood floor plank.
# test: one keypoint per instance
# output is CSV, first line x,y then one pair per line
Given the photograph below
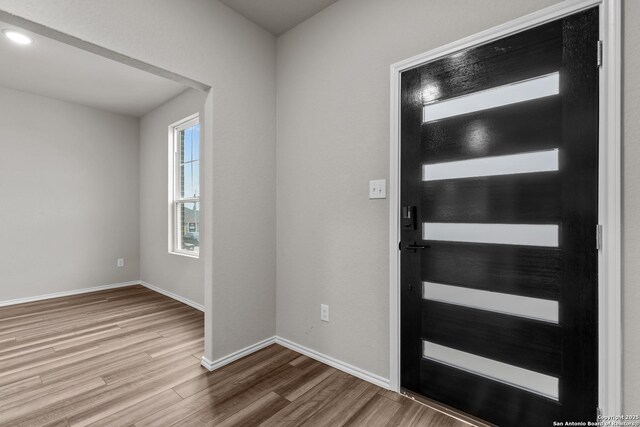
x,y
109,399
13,412
345,404
409,414
45,391
376,412
48,357
100,366
253,364
311,402
19,387
244,394
131,414
218,399
255,413
312,375
152,367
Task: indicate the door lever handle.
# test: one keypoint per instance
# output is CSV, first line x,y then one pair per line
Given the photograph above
x,y
414,247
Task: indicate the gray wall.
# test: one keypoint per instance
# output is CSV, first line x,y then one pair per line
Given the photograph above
x,y
69,205
174,273
237,59
333,136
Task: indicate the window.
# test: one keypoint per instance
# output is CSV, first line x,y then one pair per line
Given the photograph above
x,y
184,188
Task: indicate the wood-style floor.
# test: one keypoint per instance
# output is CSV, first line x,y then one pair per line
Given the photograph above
x,y
131,356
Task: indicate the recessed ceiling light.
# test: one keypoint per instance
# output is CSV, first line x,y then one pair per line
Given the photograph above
x,y
17,37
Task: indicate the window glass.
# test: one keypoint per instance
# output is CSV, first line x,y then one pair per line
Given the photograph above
x,y
189,162
185,190
189,227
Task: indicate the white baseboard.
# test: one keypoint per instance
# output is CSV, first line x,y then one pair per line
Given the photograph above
x,y
335,363
172,295
225,360
67,293
323,358
102,288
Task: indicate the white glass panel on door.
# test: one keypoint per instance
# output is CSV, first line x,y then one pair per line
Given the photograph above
x,y
533,308
506,234
537,161
526,90
545,385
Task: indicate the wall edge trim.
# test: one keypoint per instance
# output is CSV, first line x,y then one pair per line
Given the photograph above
x,y
172,295
335,363
225,360
62,294
313,354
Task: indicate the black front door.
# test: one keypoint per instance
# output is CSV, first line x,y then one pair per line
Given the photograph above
x,y
499,187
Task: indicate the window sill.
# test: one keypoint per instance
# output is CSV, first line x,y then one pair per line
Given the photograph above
x,y
186,255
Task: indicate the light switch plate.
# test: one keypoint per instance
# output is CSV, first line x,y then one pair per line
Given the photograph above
x,y
378,189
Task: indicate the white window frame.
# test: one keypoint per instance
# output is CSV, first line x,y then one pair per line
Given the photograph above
x,y
174,184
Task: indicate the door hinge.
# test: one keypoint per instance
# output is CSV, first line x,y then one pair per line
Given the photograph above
x,y
599,237
600,53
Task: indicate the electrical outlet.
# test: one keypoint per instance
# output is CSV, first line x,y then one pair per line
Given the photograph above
x,y
120,262
324,312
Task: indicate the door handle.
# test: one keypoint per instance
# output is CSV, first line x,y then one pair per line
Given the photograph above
x,y
414,247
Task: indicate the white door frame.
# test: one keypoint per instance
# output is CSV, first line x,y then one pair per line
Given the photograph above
x,y
609,203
